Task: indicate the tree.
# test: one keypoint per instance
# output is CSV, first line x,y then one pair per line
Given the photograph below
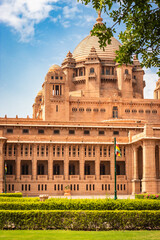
x,y
142,32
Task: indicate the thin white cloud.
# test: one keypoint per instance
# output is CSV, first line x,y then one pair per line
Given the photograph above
x,y
150,78
22,15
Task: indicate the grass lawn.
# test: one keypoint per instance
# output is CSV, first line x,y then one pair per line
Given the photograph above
x,y
79,235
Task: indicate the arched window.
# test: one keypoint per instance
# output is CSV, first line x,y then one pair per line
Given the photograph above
x,y
56,169
91,70
115,112
126,71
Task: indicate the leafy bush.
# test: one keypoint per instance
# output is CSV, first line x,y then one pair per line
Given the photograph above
x,y
148,196
82,204
17,195
80,220
15,199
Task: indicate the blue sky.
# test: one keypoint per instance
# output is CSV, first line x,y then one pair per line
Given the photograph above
x,y
35,34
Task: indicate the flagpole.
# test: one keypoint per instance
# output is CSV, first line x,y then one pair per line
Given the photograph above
x,y
115,182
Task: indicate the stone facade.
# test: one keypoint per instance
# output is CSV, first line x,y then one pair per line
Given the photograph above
x,y
82,107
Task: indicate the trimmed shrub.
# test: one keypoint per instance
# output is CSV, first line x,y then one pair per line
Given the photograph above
x,y
13,199
148,196
80,220
17,195
82,204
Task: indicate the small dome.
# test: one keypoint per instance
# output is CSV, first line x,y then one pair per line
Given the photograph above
x,y
39,93
83,49
54,67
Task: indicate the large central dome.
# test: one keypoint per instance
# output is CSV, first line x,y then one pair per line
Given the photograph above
x,y
83,49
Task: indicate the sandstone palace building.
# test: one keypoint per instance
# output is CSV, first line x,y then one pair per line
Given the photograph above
x,y
82,106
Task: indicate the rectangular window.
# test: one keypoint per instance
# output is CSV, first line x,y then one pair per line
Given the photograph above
x,y
58,151
25,131
118,187
100,151
71,187
26,151
29,187
86,187
47,151
40,131
106,187
69,151
62,151
56,131
74,151
89,151
30,150
71,132
124,187
78,151
42,151
53,151
25,187
21,150
45,187
22,187
109,187
9,130
86,132
10,150
93,187
105,152
58,187
121,187
85,151
115,132
102,187
90,187
56,108
109,151
124,151
93,151
101,133
61,187
38,187
38,151
14,150
74,187
77,187
55,187
9,187
42,187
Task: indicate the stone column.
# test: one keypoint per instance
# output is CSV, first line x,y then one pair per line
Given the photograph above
x,y
81,162
1,165
66,162
135,181
34,162
18,162
97,163
50,163
149,183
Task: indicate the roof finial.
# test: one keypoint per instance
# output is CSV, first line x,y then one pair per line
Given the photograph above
x,y
99,19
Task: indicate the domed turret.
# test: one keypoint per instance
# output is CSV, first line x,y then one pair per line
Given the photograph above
x,y
54,67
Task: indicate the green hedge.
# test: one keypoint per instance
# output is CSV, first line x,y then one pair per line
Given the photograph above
x,y
82,204
15,199
148,196
17,195
80,220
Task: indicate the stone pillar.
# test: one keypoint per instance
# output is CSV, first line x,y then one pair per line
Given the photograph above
x,y
50,163
34,162
18,162
66,162
81,162
1,166
135,181
97,163
149,183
